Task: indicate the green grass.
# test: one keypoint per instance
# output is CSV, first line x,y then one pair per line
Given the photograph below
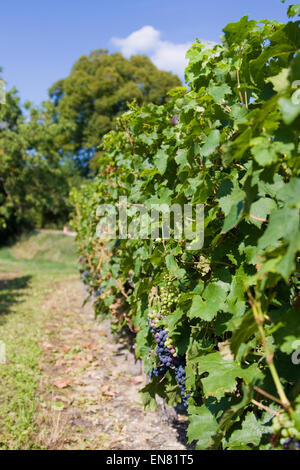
x,y
37,253
28,270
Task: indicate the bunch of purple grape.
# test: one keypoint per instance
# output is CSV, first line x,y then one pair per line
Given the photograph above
x,y
98,291
97,277
168,359
181,379
91,280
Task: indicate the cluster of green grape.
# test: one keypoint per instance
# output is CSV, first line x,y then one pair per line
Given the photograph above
x,y
155,317
289,436
167,297
164,305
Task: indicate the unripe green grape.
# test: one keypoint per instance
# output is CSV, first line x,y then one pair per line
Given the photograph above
x,y
276,428
293,431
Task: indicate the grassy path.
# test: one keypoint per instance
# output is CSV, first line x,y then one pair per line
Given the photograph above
x,y
20,325
66,383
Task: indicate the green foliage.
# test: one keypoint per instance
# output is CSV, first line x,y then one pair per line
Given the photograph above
x,y
97,90
34,180
235,149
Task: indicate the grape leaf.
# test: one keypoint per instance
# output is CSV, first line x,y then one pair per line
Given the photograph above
x,y
202,428
222,374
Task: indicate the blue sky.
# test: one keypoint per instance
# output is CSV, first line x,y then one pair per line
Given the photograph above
x,y
40,40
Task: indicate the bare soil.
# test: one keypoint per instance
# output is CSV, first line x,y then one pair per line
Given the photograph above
x,y
90,382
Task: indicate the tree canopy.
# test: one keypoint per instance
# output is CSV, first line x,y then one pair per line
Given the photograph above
x,y
34,179
98,89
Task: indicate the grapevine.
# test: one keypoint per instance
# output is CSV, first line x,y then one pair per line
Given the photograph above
x,y
216,326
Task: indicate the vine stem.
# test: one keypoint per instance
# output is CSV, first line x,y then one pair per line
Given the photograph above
x,y
258,218
266,394
264,407
259,318
239,85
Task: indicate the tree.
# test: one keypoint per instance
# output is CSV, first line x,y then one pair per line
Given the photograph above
x,y
34,178
98,89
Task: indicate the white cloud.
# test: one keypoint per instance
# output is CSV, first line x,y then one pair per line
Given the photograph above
x,y
164,54
171,57
143,40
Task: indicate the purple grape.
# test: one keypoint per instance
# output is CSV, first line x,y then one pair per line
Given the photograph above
x,y
166,360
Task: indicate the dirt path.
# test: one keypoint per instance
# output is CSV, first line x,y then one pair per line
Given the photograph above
x,y
89,384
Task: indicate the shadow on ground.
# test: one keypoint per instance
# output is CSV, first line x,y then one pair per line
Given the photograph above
x,y
11,293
